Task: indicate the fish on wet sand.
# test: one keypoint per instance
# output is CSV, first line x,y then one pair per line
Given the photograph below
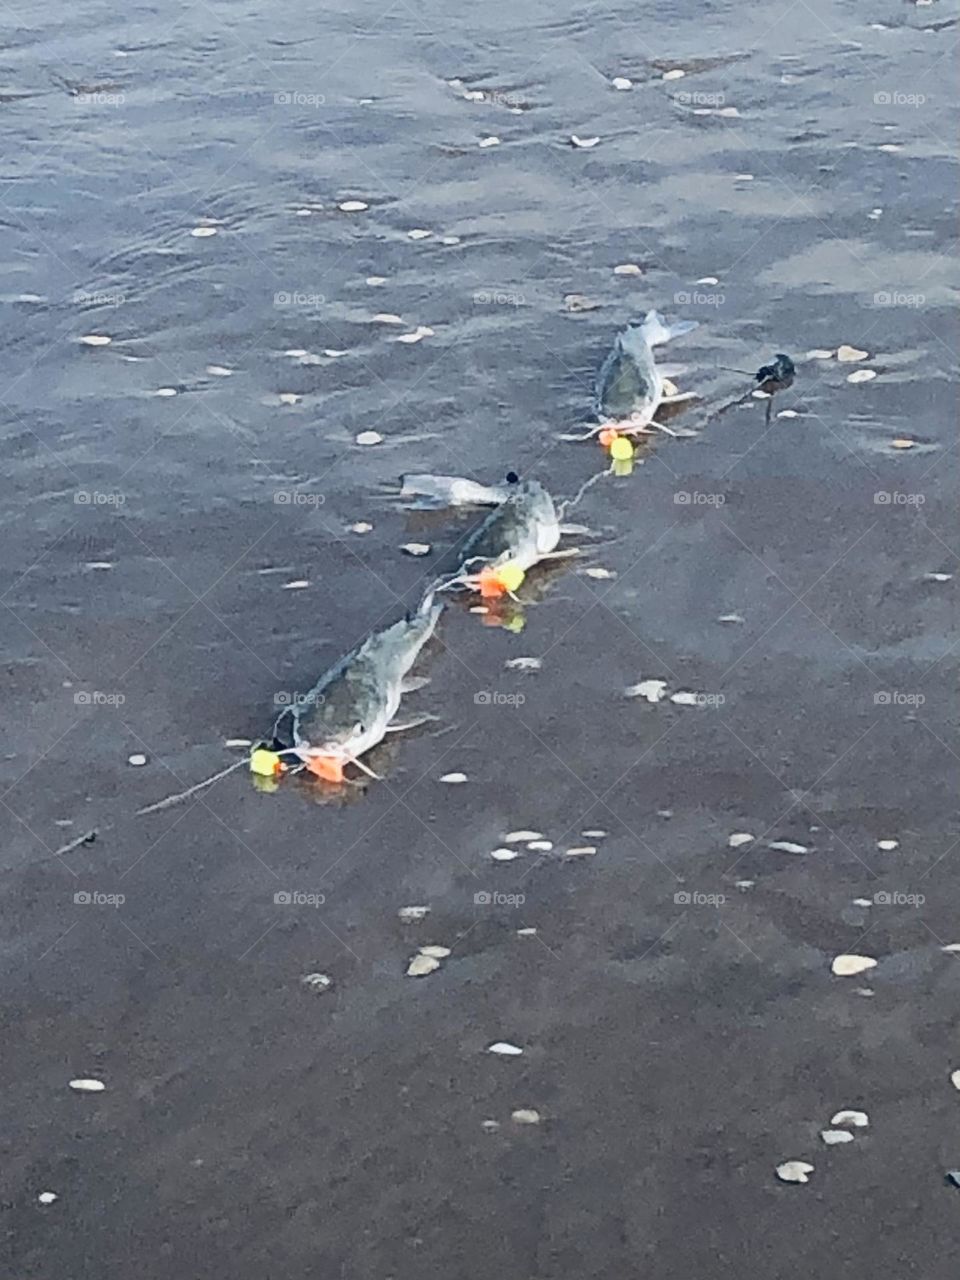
x,y
352,707
629,386
522,531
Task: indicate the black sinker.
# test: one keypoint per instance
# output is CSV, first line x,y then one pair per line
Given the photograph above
x,y
781,369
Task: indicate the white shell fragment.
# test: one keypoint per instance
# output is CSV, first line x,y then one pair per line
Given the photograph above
x,y
862,375
454,777
583,143
387,317
955,1079
504,855
317,981
707,280
289,397
676,74
739,838
847,354
361,526
353,206
522,837
219,371
416,548
491,141
47,1197
787,846
684,698
652,690
422,331
599,573
859,1119
847,966
87,1085
165,392
298,584
95,340
137,760
419,233
202,233
580,851
437,953
794,1171
374,281
525,1115
628,269
504,1049
622,83
832,1137
369,437
888,845
595,833
410,915
540,846
421,965
523,664
731,617
239,742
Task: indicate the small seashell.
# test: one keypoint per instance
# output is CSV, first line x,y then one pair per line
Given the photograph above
x,y
353,206
903,442
540,846
317,981
859,1119
819,353
847,354
846,967
834,1136
202,233
583,143
504,855
888,845
787,846
862,375
419,233
219,371
374,281
437,953
739,838
454,777
652,690
238,742
504,1049
731,617
684,698
95,340
595,833
47,1197
621,82
676,74
794,1171
580,851
526,933
410,915
87,1085
136,760
522,837
525,1116
628,269
361,526
523,664
369,437
165,392
491,141
416,548
421,965
299,584
707,280
599,573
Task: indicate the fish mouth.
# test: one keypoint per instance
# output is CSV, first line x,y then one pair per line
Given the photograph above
x,y
327,763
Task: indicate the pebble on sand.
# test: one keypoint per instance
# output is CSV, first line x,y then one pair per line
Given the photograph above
x,y
353,206
833,1137
95,340
47,1197
859,1119
584,144
862,375
504,1049
419,233
622,83
794,1171
523,664
521,837
504,855
416,548
848,355
202,233
676,74
387,317
454,777
847,966
888,845
525,1115
628,269
369,437
410,915
739,838
491,141
361,526
137,760
421,965
84,1084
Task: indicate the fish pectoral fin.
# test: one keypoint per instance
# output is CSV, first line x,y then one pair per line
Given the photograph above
x,y
395,726
681,395
563,555
577,531
410,684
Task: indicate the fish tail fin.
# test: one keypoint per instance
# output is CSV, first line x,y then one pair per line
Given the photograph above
x,y
657,331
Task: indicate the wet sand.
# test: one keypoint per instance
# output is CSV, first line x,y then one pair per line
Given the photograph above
x,y
677,1047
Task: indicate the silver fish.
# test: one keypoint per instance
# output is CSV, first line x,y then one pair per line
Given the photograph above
x,y
350,708
629,386
522,530
451,491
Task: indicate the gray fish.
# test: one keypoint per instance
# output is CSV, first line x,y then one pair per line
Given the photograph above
x,y
629,386
350,708
522,530
451,491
